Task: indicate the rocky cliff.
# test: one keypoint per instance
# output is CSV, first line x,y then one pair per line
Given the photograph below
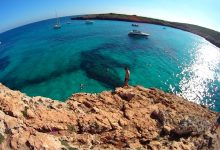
x,y
128,118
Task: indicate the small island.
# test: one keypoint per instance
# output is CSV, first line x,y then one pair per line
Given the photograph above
x,y
209,34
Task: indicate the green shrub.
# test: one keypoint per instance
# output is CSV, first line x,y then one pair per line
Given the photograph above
x,y
65,143
24,112
2,138
73,148
71,128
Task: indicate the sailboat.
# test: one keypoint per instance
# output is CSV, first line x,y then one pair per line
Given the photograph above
x,y
57,24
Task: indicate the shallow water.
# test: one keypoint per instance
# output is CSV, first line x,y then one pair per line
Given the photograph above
x,y
39,60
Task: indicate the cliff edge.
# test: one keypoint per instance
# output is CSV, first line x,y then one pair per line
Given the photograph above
x,y
127,118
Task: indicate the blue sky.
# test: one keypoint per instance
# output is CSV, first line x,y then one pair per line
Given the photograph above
x,y
205,13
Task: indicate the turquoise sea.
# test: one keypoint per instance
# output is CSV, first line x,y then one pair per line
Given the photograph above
x,y
40,60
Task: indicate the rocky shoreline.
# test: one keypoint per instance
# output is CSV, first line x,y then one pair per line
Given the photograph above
x,y
127,118
209,34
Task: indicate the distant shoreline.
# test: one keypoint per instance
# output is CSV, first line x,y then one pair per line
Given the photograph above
x,y
210,35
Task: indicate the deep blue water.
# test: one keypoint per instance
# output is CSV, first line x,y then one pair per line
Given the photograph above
x,y
40,60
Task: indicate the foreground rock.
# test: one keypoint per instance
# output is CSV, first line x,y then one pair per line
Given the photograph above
x,y
128,118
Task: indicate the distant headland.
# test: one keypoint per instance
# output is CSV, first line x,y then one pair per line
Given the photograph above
x,y
209,34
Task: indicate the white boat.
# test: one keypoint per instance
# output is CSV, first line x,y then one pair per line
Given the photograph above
x,y
137,33
89,22
135,25
57,24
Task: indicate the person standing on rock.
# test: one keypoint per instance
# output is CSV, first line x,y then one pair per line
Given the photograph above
x,y
81,86
216,125
127,76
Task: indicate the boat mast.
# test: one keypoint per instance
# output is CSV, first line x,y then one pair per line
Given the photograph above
x,y
57,19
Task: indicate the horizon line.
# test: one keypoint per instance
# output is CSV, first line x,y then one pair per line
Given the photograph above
x,y
1,32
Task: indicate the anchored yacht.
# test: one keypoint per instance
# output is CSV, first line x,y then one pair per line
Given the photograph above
x,y
135,25
137,33
89,22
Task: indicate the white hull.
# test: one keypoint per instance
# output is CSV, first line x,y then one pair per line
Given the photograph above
x,y
57,26
89,22
138,34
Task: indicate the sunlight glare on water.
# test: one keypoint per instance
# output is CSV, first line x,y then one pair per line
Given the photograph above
x,y
200,74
